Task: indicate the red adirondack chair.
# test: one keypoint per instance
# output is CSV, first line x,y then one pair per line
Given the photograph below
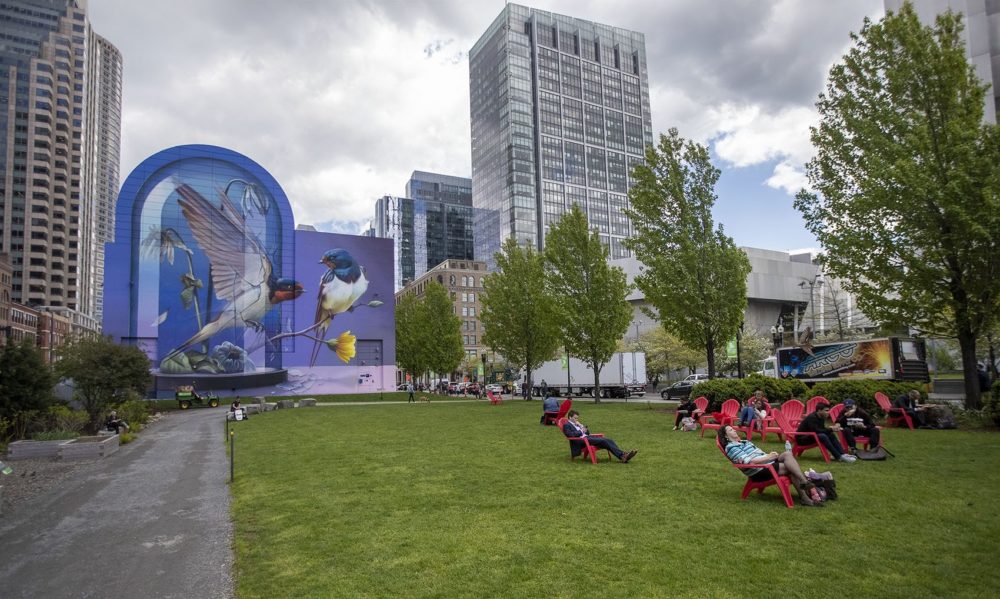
x,y
700,404
815,401
893,416
792,409
495,398
783,482
770,426
866,442
730,408
587,450
553,417
800,441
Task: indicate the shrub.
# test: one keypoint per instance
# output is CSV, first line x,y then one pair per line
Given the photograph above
x,y
62,418
55,435
135,412
125,437
991,405
776,390
863,392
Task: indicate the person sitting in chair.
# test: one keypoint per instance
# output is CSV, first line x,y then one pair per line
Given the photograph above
x,y
816,423
855,421
745,452
754,411
908,403
574,429
237,411
549,405
114,423
685,409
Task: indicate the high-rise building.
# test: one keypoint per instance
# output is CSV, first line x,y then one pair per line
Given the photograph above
x,y
560,114
982,39
432,224
60,124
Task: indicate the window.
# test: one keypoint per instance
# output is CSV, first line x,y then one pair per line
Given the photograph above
x,y
465,311
472,311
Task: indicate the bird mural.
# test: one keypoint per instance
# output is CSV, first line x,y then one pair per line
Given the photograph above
x,y
241,271
341,285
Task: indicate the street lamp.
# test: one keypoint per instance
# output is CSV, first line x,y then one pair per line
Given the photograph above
x,y
777,335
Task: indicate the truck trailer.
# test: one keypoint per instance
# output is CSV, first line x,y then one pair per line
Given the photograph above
x,y
889,358
623,376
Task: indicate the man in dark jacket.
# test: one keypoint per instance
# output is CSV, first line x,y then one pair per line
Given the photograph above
x,y
816,423
907,402
855,421
574,429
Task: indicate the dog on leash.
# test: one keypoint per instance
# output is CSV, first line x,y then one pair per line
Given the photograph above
x,y
425,399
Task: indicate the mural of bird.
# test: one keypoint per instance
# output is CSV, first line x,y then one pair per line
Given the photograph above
x,y
341,285
241,271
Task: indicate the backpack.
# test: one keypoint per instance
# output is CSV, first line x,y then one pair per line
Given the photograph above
x,y
689,424
878,454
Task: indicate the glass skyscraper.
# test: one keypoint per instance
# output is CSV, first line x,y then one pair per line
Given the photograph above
x,y
431,225
60,121
560,114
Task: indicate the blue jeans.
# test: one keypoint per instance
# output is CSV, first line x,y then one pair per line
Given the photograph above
x,y
747,414
831,443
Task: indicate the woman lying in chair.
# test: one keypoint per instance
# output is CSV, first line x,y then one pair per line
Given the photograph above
x,y
745,452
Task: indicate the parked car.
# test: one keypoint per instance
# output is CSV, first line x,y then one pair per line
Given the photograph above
x,y
682,389
495,388
401,387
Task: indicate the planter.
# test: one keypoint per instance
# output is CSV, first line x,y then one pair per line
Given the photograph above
x,y
88,448
24,450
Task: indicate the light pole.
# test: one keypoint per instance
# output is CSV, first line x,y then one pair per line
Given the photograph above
x,y
813,283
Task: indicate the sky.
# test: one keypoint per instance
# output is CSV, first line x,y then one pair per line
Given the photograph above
x,y
342,100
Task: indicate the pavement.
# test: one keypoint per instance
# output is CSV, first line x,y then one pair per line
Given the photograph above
x,y
151,520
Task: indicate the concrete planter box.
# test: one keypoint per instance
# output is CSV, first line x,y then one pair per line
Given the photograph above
x,y
309,402
284,404
24,450
88,447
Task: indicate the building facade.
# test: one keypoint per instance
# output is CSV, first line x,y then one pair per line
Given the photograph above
x,y
59,144
432,224
463,279
982,39
560,114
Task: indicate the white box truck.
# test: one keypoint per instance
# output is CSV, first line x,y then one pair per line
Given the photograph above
x,y
623,376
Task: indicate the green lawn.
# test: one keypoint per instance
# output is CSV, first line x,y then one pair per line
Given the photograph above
x,y
474,500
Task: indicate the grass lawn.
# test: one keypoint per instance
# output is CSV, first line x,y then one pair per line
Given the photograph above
x,y
474,500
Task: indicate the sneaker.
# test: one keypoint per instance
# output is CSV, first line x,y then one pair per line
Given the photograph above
x,y
675,428
630,455
846,457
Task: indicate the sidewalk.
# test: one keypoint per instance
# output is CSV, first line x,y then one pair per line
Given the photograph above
x,y
151,520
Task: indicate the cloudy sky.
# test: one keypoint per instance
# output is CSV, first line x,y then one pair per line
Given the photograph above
x,y
342,100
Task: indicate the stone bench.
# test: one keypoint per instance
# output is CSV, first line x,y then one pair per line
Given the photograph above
x,y
284,404
308,402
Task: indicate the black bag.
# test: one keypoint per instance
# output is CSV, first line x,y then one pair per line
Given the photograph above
x,y
878,454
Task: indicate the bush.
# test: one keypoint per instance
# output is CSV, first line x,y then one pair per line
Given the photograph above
x,y
991,405
55,435
863,392
135,412
62,418
775,390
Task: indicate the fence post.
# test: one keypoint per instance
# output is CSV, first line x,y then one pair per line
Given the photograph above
x,y
232,446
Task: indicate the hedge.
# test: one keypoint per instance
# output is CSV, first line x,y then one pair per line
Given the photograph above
x,y
991,404
779,391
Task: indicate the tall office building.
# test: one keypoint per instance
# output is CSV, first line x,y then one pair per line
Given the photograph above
x,y
560,114
60,97
432,224
982,39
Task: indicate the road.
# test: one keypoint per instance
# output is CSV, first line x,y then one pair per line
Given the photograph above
x,y
151,520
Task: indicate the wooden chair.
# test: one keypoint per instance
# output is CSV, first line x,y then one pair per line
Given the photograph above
x,y
792,409
835,413
730,408
815,401
893,416
700,404
554,417
580,445
783,482
495,398
800,441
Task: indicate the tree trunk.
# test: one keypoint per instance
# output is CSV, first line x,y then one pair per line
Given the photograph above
x,y
967,343
527,381
993,359
710,350
597,384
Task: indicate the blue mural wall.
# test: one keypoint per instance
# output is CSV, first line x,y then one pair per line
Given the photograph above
x,y
209,277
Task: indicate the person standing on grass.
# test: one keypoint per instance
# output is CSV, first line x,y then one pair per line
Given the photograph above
x,y
574,429
409,391
816,423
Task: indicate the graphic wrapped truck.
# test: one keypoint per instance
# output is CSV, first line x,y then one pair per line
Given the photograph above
x,y
890,358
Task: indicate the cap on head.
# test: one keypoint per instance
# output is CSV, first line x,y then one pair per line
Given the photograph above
x,y
849,403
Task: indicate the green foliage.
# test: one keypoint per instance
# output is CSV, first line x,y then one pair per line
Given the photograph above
x,y
55,435
411,336
754,347
991,407
863,392
135,411
60,417
27,380
520,317
444,350
776,391
589,292
941,355
126,437
694,276
666,353
907,192
102,372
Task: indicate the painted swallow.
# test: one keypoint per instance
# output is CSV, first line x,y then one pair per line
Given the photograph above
x,y
342,284
241,272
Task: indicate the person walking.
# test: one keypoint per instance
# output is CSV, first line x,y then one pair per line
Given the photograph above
x,y
409,389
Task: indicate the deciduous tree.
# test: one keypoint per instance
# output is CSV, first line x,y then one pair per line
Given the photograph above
x,y
693,274
589,293
25,379
519,315
906,182
443,341
411,336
